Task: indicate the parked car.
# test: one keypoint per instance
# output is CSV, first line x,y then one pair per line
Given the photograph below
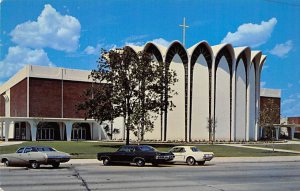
x,y
190,155
138,154
34,156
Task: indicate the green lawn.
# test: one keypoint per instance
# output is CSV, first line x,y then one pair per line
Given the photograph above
x,y
294,147
90,149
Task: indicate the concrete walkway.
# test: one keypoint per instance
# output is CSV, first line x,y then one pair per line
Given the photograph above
x,y
2,144
263,148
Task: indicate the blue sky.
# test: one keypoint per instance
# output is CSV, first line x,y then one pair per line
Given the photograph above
x,y
70,33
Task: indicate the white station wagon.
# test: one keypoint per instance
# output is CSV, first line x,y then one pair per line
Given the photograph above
x,y
190,155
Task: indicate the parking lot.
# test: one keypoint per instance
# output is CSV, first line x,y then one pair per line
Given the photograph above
x,y
214,176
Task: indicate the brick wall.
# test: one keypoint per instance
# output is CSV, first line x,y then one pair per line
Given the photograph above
x,y
264,100
45,98
72,95
294,120
2,106
18,99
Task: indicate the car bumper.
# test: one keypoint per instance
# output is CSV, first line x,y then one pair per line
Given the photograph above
x,y
53,160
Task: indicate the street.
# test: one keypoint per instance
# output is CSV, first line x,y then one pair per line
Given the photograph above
x,y
214,176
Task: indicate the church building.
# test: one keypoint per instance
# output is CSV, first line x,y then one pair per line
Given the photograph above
x,y
221,83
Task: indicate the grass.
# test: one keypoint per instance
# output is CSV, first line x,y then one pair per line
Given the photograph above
x,y
294,147
90,149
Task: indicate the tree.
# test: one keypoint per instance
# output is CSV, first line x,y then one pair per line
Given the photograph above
x,y
211,125
269,115
134,85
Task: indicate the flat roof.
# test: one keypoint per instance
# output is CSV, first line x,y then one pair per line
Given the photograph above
x,y
276,93
46,73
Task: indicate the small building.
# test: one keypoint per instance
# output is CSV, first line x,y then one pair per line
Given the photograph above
x,y
39,103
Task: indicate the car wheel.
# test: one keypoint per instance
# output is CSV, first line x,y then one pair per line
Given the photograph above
x,y
140,162
34,164
190,161
6,162
201,162
106,162
56,165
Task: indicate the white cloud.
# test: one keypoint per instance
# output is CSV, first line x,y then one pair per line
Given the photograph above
x,y
262,84
288,101
134,43
290,85
281,50
290,108
93,50
265,67
53,30
162,42
159,41
291,105
18,57
135,38
250,34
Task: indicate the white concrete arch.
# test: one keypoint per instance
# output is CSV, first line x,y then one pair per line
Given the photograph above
x,y
162,49
252,102
176,120
136,49
157,131
224,66
240,122
254,95
200,90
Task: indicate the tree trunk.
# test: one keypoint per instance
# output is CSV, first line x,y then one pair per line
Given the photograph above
x,y
127,123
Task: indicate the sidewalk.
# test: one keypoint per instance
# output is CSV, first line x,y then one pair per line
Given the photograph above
x,y
3,143
262,148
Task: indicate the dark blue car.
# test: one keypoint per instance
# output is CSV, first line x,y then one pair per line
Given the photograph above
x,y
138,154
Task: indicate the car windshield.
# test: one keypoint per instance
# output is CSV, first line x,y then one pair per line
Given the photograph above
x,y
146,148
45,149
195,149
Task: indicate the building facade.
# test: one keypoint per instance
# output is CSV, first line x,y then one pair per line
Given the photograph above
x,y
219,82
39,103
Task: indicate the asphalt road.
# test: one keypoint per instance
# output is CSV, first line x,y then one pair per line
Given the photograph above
x,y
275,176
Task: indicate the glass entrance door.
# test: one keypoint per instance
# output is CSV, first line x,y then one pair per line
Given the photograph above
x,y
79,133
45,133
20,131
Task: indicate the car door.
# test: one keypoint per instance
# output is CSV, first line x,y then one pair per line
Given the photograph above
x,y
122,155
17,158
26,155
179,153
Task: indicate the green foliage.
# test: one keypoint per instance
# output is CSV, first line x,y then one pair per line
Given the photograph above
x,y
130,85
211,126
269,115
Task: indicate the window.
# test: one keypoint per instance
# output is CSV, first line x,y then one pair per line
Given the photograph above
x,y
43,149
178,150
146,148
195,149
124,149
27,150
20,150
